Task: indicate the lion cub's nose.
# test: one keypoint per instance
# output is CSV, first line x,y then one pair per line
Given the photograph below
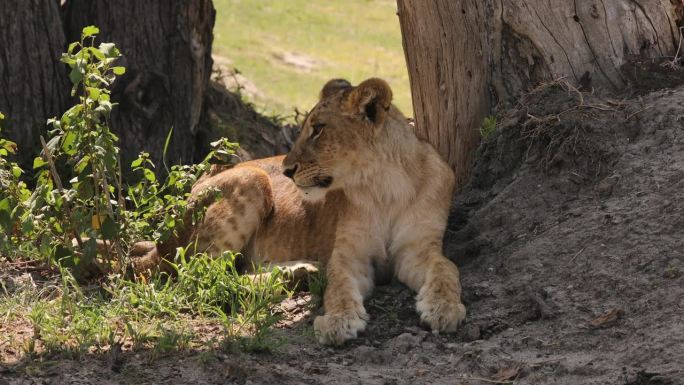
x,y
290,171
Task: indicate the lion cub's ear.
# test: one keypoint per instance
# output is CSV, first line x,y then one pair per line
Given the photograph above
x,y
372,98
332,86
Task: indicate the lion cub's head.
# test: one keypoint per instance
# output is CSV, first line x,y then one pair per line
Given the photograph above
x,y
338,135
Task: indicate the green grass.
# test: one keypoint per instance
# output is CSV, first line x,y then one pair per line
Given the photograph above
x,y
488,127
160,313
317,283
352,39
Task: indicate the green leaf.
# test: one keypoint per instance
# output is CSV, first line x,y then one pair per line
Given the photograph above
x,y
81,165
95,78
107,106
110,159
72,47
119,70
52,121
109,50
149,175
166,147
38,162
70,60
68,143
16,171
136,163
90,31
96,52
93,93
5,215
72,112
27,225
109,228
9,146
75,75
5,205
170,221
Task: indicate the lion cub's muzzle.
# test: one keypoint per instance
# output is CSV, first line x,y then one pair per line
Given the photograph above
x,y
317,181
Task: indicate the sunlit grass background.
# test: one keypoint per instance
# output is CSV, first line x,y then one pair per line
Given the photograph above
x,y
353,39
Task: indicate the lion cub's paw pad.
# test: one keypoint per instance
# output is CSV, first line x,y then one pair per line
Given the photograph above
x,y
441,315
334,329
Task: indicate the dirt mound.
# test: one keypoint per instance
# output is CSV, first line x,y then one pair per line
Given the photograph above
x,y
571,240
570,243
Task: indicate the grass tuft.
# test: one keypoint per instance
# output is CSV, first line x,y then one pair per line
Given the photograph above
x,y
488,127
161,314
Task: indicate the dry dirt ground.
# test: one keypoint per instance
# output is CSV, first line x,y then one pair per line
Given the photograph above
x,y
570,240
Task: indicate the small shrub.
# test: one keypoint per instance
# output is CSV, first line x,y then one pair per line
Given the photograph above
x,y
84,199
13,197
488,127
80,198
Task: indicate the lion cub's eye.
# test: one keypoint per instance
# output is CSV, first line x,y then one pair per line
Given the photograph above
x,y
317,129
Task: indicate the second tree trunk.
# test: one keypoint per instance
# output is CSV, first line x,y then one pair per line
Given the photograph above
x,y
465,57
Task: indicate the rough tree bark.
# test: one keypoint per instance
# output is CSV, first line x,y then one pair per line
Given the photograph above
x,y
166,48
467,56
34,85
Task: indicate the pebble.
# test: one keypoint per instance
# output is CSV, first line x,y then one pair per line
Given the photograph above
x,y
405,342
369,354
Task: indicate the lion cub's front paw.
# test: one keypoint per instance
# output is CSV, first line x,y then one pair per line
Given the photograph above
x,y
441,314
334,329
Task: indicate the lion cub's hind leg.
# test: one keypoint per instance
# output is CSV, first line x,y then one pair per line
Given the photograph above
x,y
245,200
297,274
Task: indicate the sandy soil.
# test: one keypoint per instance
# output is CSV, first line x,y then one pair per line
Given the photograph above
x,y
570,240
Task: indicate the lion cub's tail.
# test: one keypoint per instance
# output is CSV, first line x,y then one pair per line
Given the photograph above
x,y
145,256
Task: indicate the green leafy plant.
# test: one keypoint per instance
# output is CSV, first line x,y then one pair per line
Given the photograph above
x,y
70,210
13,195
89,205
317,283
81,204
158,208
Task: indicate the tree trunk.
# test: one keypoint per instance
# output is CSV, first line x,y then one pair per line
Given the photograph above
x,y
465,57
166,47
34,85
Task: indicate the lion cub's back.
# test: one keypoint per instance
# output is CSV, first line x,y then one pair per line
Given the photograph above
x,y
295,229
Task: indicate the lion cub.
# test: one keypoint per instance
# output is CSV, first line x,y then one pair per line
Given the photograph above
x,y
358,190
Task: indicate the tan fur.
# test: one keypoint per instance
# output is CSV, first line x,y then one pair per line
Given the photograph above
x,y
365,192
